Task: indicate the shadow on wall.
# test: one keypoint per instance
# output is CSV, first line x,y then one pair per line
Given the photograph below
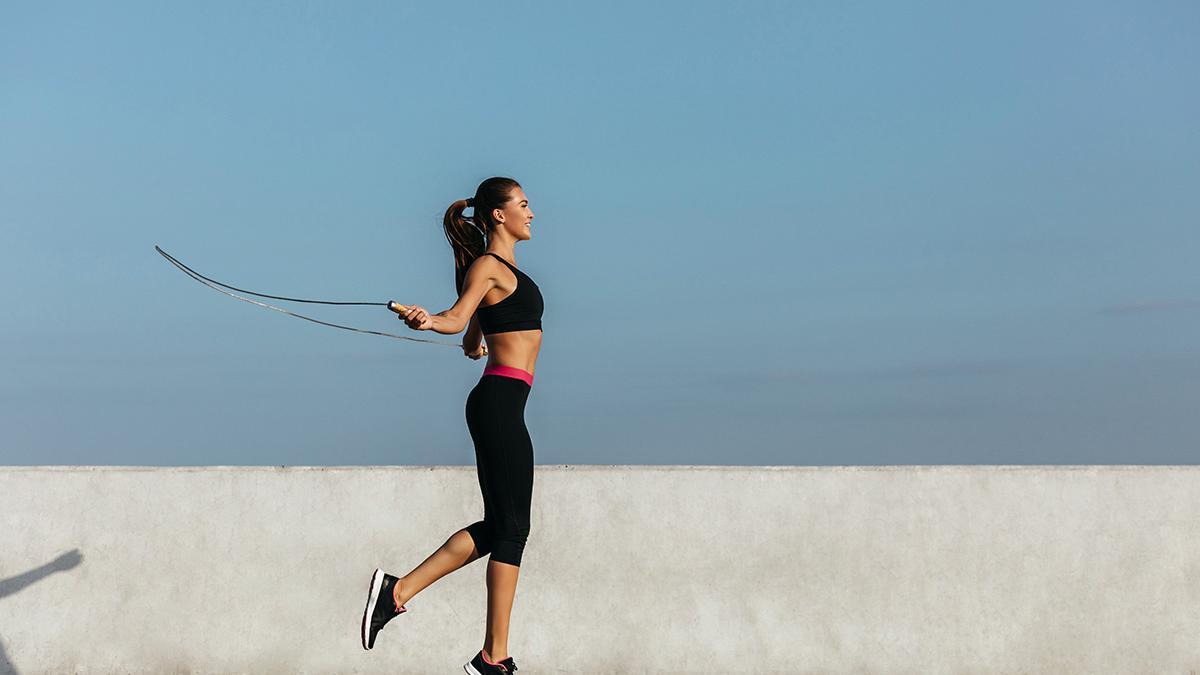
x,y
11,585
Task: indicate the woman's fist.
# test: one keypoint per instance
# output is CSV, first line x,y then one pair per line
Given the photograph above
x,y
416,318
475,355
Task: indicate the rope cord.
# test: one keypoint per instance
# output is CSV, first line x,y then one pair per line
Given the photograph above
x,y
194,273
213,284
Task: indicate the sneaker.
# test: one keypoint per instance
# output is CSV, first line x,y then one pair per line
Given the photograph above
x,y
381,606
481,666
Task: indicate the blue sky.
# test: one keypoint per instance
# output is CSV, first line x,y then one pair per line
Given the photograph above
x,y
767,233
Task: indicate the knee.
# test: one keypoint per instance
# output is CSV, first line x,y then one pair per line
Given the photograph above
x,y
509,544
517,531
509,551
481,537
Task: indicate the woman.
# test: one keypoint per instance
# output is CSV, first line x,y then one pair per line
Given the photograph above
x,y
497,301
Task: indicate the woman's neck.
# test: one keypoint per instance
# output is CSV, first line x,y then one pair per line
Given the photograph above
x,y
509,254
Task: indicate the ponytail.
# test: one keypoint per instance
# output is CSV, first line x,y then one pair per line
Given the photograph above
x,y
467,240
468,235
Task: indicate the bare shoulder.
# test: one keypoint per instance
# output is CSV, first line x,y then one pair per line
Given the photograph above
x,y
485,264
485,270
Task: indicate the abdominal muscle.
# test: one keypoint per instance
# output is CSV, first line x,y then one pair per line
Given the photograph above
x,y
515,349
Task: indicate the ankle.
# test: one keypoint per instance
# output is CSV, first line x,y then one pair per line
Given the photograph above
x,y
398,593
492,657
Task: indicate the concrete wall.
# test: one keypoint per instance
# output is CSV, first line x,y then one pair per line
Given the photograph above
x,y
908,569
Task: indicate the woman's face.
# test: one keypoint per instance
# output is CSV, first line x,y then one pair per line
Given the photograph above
x,y
514,217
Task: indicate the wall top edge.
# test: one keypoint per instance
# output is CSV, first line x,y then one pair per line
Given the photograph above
x,y
622,467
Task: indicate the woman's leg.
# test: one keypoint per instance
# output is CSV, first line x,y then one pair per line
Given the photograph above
x,y
504,456
459,550
502,588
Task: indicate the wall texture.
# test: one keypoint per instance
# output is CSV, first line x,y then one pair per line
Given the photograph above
x,y
638,569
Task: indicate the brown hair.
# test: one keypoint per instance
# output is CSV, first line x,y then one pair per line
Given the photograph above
x,y
468,235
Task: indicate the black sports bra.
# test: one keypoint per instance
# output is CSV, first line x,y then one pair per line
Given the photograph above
x,y
520,310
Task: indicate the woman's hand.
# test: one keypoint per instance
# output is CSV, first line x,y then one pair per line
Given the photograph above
x,y
416,318
475,355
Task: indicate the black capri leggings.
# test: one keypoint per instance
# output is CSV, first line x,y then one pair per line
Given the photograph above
x,y
504,462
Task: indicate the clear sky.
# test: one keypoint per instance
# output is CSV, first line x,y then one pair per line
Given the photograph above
x,y
766,232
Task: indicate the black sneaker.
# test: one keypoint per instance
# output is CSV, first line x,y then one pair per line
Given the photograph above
x,y
478,666
381,606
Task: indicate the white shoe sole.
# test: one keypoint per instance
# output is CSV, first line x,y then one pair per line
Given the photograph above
x,y
372,599
470,669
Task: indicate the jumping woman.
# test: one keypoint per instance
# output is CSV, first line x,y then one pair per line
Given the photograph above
x,y
498,302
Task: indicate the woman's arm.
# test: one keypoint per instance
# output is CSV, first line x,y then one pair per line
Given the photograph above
x,y
473,336
481,278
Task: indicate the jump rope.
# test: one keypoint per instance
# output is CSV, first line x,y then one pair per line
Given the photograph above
x,y
214,284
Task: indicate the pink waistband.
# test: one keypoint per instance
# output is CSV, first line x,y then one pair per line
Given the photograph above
x,y
509,371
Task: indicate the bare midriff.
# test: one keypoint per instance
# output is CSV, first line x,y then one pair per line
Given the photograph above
x,y
515,349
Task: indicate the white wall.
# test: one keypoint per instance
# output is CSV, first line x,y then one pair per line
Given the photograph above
x,y
634,569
